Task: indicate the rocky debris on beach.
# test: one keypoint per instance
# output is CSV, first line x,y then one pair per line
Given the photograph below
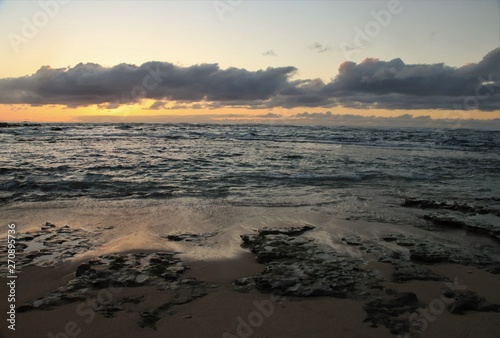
x,y
51,245
424,251
108,274
404,271
114,272
292,231
352,239
391,310
450,220
479,219
149,318
466,300
465,208
298,266
412,256
445,220
199,239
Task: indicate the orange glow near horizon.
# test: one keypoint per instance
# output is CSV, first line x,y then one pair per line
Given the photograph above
x,y
60,113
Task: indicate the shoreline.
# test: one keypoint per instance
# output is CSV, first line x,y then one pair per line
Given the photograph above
x,y
204,299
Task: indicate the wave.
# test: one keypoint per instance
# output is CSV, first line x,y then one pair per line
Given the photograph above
x,y
165,161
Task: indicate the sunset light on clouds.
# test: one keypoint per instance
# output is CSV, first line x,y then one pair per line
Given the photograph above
x,y
249,61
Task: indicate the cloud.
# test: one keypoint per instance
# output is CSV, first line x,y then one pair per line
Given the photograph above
x,y
371,83
396,85
162,105
269,52
157,105
404,120
270,116
306,118
306,115
320,48
87,84
350,48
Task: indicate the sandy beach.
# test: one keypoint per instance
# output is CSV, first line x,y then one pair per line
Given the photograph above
x,y
52,299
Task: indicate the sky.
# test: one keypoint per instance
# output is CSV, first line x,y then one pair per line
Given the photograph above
x,y
306,62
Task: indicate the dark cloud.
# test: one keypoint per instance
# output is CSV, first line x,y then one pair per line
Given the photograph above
x,y
87,84
162,105
396,85
371,83
157,105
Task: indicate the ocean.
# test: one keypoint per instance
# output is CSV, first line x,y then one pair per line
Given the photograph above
x,y
357,173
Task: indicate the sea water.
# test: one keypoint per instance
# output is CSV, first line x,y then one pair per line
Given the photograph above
x,y
359,173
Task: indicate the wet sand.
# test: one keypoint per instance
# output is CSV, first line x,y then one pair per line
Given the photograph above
x,y
140,226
